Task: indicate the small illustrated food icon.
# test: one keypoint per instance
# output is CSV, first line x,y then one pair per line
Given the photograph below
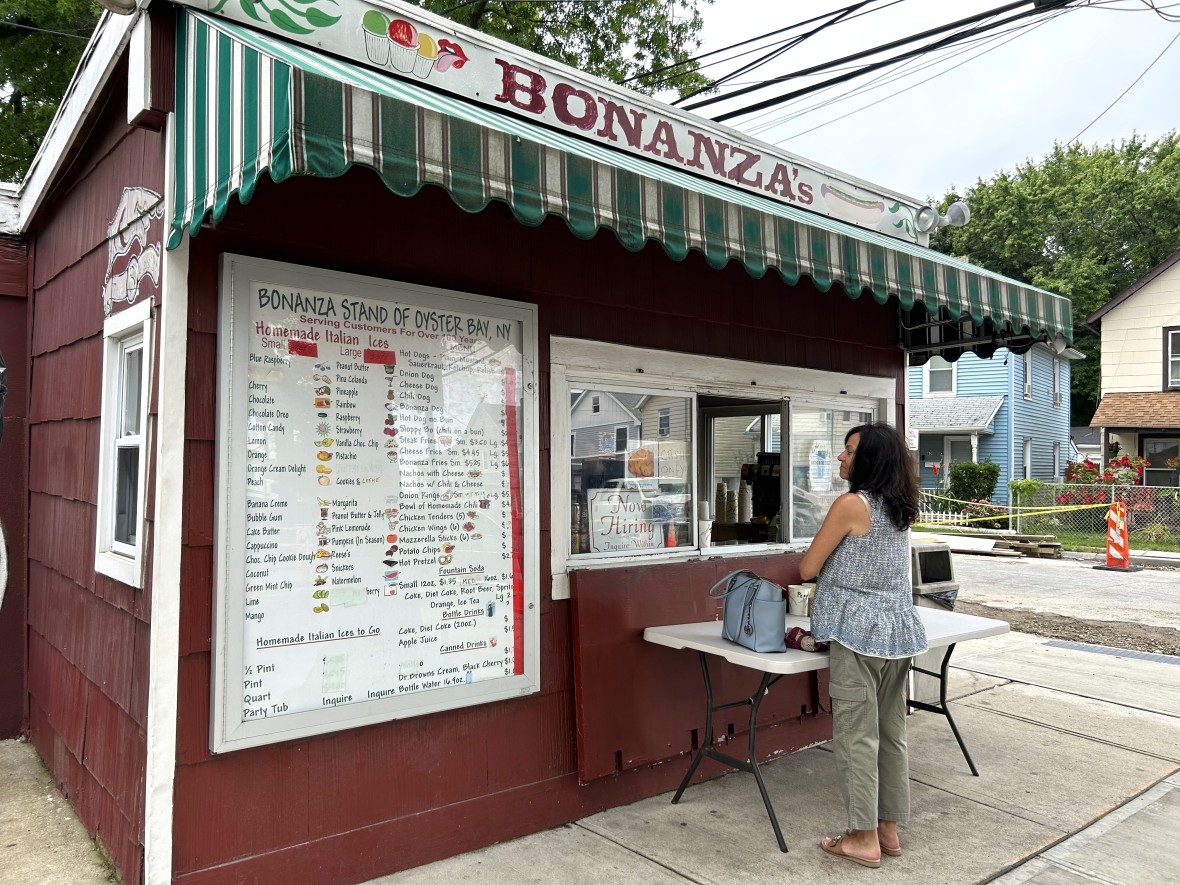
x,y
324,456
403,33
448,548
320,468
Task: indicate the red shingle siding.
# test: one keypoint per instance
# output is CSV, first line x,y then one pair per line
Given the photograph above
x,y
87,633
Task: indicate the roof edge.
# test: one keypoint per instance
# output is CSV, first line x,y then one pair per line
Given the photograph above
x,y
1094,320
94,70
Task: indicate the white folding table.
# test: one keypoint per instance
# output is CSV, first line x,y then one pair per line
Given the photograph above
x,y
944,629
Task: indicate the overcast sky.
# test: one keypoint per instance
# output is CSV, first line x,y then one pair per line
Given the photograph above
x,y
994,111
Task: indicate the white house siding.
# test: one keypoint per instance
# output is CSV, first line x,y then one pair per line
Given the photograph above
x,y
1132,338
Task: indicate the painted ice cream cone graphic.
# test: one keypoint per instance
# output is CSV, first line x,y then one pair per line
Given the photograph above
x,y
376,28
427,54
403,45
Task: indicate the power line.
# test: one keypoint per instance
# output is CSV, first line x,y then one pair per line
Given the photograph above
x,y
921,50
1020,33
858,56
1125,91
877,82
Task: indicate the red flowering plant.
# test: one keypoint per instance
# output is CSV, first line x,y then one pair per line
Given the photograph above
x,y
1124,471
983,514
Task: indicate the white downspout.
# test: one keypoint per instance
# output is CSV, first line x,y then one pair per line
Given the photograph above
x,y
164,658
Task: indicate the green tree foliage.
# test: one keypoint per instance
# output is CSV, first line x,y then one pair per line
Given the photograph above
x,y
40,44
618,40
1084,223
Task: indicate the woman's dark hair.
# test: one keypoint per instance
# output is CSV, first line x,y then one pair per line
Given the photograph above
x,y
883,466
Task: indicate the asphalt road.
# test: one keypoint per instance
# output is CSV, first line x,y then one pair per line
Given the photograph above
x,y
1071,600
1071,587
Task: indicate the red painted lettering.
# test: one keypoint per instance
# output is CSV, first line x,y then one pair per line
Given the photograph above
x,y
615,113
561,106
747,160
663,142
517,81
780,182
714,150
805,194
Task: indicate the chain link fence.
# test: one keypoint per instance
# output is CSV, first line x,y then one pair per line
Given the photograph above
x,y
1074,514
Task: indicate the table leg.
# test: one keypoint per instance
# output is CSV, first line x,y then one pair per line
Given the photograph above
x,y
749,764
941,707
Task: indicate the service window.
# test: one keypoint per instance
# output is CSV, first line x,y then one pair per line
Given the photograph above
x,y
698,447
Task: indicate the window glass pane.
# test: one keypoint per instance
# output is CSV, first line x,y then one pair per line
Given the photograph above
x,y
126,494
130,393
941,375
816,439
630,487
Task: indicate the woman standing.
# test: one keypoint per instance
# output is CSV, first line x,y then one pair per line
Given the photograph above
x,y
860,559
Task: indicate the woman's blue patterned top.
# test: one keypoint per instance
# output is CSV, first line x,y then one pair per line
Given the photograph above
x,y
863,598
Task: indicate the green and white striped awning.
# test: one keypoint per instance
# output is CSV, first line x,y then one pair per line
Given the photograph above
x,y
248,104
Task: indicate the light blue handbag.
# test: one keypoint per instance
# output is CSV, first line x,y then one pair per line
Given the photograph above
x,y
754,611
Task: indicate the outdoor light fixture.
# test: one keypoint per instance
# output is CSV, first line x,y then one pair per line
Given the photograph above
x,y
927,218
1060,344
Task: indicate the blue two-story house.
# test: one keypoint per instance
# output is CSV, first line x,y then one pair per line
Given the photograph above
x,y
1012,409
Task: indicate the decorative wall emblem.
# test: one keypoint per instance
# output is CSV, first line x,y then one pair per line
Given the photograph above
x,y
133,247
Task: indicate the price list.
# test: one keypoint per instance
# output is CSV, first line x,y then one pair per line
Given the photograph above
x,y
382,538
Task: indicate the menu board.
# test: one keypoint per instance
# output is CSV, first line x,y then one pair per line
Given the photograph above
x,y
376,447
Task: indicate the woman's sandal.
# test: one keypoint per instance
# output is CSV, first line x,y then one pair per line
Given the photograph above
x,y
892,852
831,845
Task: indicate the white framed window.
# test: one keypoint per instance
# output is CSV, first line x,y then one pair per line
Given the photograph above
x,y
123,442
938,377
718,436
665,422
1027,362
1172,357
1056,384
1027,458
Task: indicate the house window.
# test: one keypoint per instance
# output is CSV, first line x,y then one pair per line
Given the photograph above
x,y
1157,450
595,405
1027,458
1028,360
1056,383
1172,357
123,445
620,439
940,377
665,422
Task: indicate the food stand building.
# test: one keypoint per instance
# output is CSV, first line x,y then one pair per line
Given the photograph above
x,y
375,376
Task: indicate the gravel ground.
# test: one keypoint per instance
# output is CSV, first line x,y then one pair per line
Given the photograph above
x,y
1114,634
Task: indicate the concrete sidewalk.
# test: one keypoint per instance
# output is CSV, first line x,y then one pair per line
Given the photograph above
x,y
1078,748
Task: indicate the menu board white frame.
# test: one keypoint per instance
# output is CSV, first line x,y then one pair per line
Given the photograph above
x,y
232,699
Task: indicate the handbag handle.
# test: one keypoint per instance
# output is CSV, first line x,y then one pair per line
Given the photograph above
x,y
731,578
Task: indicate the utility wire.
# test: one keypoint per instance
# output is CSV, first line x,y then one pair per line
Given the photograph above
x,y
740,44
1020,33
4,24
921,50
883,79
895,44
831,21
1125,91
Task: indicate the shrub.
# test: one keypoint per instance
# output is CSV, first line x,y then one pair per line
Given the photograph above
x,y
1157,533
974,482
